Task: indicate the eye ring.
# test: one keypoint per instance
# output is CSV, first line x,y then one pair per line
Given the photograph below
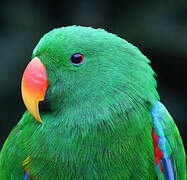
x,y
77,59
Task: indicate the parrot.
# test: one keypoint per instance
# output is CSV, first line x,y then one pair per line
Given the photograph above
x,y
93,112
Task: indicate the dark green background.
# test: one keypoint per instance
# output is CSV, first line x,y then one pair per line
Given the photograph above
x,y
158,28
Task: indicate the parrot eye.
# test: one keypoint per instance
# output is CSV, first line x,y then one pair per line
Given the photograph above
x,y
77,58
44,105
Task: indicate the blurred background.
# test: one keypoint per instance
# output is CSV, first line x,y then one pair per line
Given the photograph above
x,y
158,28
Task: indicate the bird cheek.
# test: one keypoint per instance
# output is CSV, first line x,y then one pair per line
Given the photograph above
x,y
34,86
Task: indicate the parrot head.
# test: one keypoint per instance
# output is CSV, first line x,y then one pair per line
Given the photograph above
x,y
83,76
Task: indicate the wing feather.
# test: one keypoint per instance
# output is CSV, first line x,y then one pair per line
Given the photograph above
x,y
170,143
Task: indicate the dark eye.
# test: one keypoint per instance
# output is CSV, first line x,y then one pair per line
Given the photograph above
x,y
77,58
44,105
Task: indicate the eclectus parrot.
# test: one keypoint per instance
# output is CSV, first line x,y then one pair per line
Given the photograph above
x,y
93,113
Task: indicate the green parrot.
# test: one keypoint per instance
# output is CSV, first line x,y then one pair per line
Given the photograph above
x,y
93,113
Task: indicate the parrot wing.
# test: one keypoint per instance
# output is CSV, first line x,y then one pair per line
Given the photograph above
x,y
8,169
26,176
168,147
13,157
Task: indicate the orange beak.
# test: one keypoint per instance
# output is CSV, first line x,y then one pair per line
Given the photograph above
x,y
34,86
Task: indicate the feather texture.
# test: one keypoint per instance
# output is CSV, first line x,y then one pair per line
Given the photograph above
x,y
26,176
170,143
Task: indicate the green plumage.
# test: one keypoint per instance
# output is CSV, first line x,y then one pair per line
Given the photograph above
x,y
99,125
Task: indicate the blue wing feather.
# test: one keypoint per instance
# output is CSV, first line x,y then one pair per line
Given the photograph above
x,y
26,176
164,126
